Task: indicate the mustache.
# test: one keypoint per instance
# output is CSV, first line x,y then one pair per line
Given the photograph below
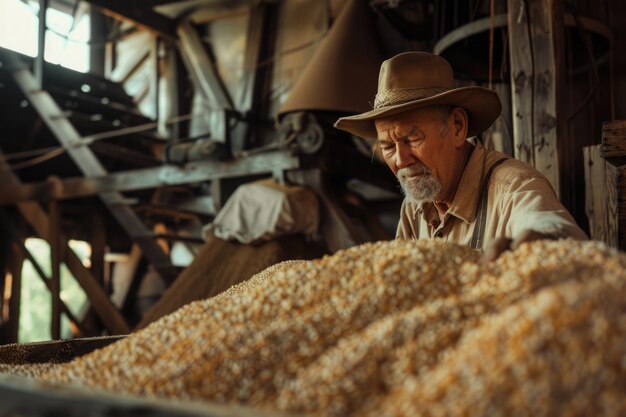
x,y
415,169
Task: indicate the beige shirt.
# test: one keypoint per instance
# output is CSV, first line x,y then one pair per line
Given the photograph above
x,y
519,198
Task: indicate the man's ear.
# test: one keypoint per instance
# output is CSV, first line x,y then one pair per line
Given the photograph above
x,y
459,126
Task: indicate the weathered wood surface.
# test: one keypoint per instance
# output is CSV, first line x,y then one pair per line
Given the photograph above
x,y
54,239
522,73
38,219
613,139
601,204
536,57
605,203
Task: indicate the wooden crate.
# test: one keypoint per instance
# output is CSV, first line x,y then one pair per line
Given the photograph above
x,y
605,178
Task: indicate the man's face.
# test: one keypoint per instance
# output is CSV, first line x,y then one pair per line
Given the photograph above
x,y
417,147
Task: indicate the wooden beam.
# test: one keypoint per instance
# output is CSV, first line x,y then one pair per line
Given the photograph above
x,y
67,135
522,73
260,46
601,202
84,330
143,17
549,121
37,218
15,266
202,68
107,312
54,239
138,179
537,65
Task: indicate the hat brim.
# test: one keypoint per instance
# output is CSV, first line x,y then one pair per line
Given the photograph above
x,y
482,106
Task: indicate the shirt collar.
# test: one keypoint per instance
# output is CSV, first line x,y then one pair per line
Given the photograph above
x,y
465,201
466,197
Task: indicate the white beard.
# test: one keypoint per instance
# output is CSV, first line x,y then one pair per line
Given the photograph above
x,y
418,183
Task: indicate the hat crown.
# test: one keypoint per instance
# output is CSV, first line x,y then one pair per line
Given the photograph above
x,y
415,70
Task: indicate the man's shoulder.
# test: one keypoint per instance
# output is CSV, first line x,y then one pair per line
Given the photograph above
x,y
513,170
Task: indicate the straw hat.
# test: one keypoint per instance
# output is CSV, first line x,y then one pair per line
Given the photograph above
x,y
417,79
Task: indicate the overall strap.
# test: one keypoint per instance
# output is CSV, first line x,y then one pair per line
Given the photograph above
x,y
481,211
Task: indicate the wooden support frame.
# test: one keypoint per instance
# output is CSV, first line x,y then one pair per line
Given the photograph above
x,y
537,77
68,136
605,191
110,316
144,18
84,331
38,219
202,68
138,179
41,43
54,239
260,46
15,267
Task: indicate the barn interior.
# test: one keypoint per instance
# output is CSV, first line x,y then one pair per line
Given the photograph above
x,y
155,153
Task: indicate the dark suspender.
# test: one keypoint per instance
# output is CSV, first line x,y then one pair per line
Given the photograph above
x,y
481,211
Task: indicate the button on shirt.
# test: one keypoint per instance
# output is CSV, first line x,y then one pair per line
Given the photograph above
x,y
519,198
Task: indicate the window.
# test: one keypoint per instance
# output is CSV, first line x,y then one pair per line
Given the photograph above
x,y
67,42
35,299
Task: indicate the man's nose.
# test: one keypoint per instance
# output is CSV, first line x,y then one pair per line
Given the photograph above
x,y
404,157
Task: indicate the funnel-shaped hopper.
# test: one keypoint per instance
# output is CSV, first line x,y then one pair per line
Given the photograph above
x,y
343,72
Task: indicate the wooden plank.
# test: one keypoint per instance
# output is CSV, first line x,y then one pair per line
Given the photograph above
x,y
98,247
549,126
202,67
38,219
107,312
139,179
67,135
613,139
522,73
601,203
84,330
144,17
620,195
536,31
16,262
54,239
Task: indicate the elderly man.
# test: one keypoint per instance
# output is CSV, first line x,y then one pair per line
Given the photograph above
x,y
455,189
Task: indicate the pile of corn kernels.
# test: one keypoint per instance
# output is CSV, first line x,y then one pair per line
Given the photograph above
x,y
393,328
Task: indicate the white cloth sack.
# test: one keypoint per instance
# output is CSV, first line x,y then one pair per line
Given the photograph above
x,y
264,210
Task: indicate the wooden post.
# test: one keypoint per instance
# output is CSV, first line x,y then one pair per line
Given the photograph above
x,y
605,178
54,237
16,262
37,218
536,57
98,248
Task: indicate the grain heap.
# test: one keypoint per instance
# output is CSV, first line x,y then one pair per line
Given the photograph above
x,y
393,328
31,370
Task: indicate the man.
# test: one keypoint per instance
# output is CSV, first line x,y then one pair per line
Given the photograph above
x,y
454,189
